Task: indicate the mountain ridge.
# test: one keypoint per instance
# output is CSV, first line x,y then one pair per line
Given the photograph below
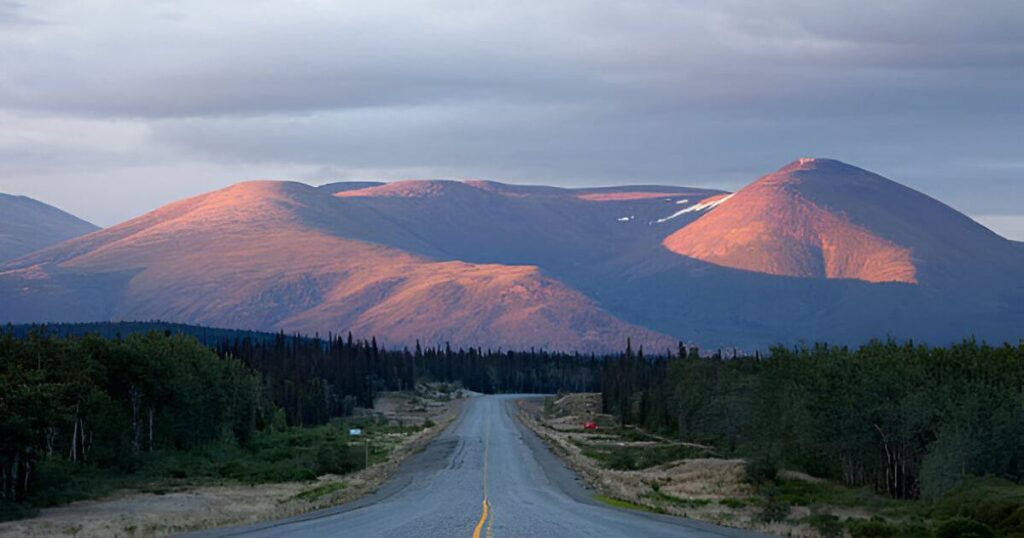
x,y
488,264
278,266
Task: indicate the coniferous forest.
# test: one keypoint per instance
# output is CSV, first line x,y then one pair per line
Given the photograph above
x,y
908,420
109,395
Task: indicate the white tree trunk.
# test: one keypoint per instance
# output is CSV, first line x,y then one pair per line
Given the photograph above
x,y
73,456
135,397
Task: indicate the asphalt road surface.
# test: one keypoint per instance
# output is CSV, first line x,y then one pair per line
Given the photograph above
x,y
487,475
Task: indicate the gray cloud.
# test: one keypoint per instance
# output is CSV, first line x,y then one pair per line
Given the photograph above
x,y
573,92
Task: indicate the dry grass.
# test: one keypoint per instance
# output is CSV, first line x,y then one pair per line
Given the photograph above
x,y
706,489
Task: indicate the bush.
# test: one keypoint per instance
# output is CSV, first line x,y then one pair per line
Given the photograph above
x,y
10,511
733,503
774,508
827,525
338,460
874,528
1014,523
624,460
962,527
995,503
762,470
59,482
631,458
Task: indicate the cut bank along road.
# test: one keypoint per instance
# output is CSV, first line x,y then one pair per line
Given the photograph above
x,y
486,475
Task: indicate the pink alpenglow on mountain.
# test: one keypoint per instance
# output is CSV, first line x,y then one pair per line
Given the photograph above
x,y
275,256
817,251
820,218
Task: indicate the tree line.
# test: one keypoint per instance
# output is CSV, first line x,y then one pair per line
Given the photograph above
x,y
315,379
68,393
909,420
95,401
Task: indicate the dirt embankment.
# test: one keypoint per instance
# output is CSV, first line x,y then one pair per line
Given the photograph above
x,y
709,489
135,513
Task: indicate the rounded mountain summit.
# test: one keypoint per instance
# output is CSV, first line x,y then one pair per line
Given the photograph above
x,y
822,218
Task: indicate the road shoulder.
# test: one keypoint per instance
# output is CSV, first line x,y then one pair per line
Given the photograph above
x,y
571,480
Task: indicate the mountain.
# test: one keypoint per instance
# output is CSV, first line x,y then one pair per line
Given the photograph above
x,y
286,256
821,218
27,225
816,251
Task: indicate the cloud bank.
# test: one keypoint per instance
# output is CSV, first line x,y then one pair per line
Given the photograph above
x,y
152,102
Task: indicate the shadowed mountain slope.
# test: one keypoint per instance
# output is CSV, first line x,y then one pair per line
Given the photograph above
x,y
27,225
270,255
817,251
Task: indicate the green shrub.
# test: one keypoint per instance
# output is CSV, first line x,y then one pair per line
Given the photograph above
x,y
762,470
632,458
996,503
338,460
962,527
11,511
733,503
877,527
827,525
59,482
874,528
1013,523
774,507
621,459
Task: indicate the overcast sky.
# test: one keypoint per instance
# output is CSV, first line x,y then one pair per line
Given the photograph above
x,y
109,110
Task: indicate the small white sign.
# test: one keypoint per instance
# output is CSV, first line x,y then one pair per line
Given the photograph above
x,y
355,431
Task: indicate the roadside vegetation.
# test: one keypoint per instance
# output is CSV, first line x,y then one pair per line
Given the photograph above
x,y
884,440
84,417
704,482
290,455
88,410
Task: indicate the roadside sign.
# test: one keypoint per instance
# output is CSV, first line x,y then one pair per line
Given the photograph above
x,y
355,432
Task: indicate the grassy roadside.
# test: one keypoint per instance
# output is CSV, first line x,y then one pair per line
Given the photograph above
x,y
277,474
290,455
630,468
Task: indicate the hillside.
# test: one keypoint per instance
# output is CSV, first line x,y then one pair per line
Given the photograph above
x,y
821,218
270,255
27,225
817,251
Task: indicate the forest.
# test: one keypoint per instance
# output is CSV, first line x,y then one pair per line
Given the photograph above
x,y
77,398
909,421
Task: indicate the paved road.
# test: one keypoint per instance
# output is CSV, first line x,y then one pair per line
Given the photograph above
x,y
485,476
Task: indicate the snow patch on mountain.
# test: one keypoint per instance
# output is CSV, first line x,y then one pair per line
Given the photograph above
x,y
704,205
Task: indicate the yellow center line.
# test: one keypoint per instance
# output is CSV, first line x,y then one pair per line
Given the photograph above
x,y
486,505
480,524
